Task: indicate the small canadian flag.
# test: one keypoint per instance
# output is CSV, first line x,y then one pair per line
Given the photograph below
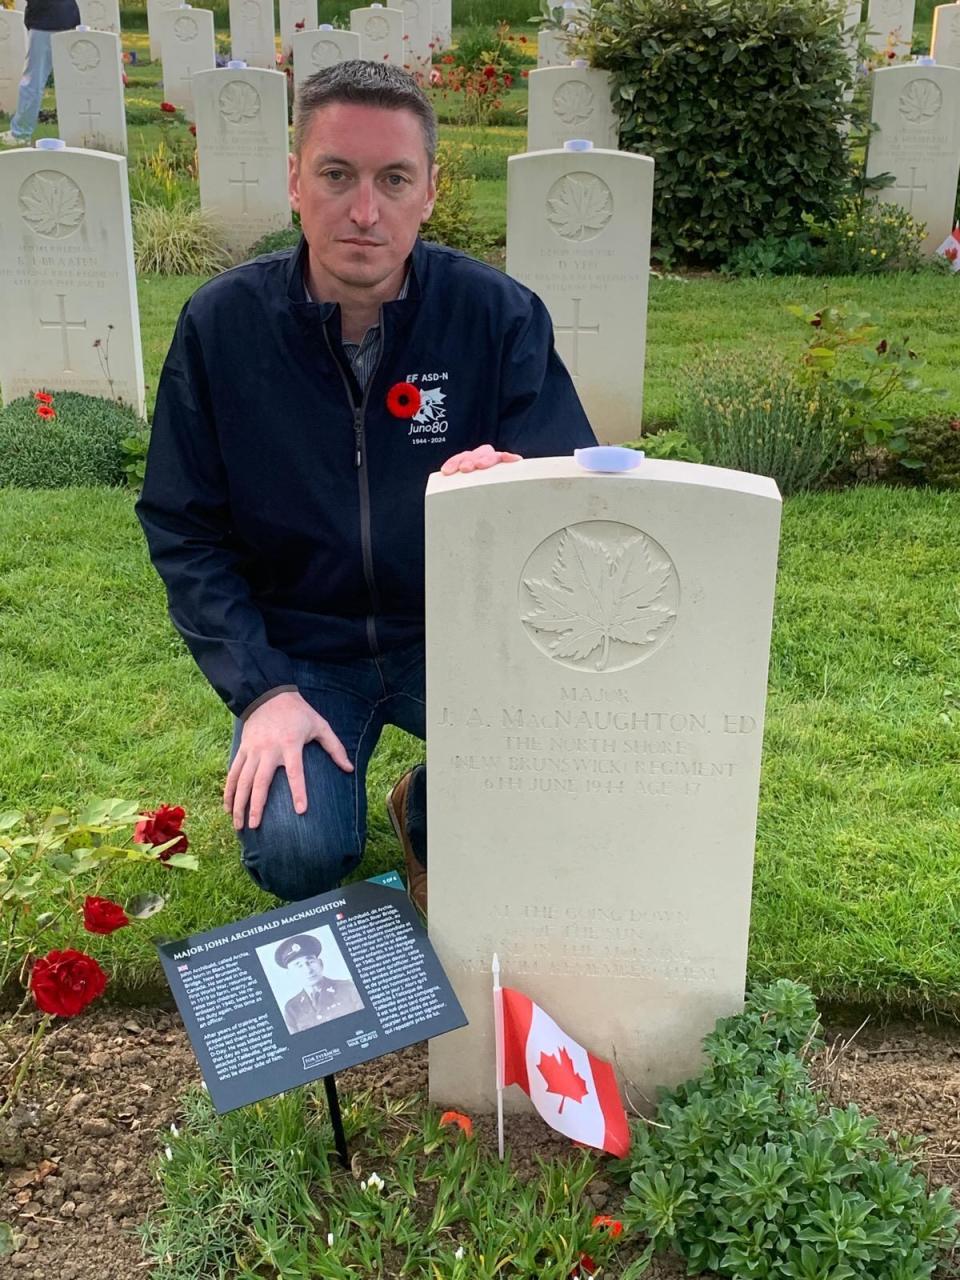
x,y
950,249
573,1091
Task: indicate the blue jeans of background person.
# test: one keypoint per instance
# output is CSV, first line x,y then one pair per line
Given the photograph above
x,y
36,73
295,855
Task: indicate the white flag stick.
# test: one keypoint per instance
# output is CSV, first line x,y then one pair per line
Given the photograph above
x,y
498,1034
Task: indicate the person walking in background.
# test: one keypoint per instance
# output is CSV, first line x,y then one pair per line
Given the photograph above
x,y
41,19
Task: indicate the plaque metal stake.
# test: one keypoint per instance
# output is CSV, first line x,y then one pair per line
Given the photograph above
x,y
336,1119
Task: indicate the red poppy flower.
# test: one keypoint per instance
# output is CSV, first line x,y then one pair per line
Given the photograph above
x,y
160,826
100,915
65,982
403,399
584,1269
613,1225
45,412
193,130
489,72
460,1120
43,396
167,106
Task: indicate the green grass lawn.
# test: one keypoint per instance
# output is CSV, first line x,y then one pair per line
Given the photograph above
x,y
858,865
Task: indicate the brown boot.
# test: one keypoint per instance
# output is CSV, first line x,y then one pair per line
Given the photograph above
x,y
416,871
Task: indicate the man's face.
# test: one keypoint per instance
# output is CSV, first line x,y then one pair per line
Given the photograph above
x,y
362,187
309,968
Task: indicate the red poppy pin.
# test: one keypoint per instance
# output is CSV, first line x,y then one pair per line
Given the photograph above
x,y
403,399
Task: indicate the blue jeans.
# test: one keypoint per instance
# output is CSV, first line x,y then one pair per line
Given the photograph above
x,y
36,73
295,855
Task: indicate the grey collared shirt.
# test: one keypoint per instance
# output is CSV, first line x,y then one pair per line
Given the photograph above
x,y
365,354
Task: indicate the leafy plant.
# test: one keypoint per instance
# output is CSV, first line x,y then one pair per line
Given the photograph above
x,y
935,451
758,413
134,449
868,236
748,1173
695,84
453,221
773,256
669,444
77,443
870,372
478,73
180,241
167,175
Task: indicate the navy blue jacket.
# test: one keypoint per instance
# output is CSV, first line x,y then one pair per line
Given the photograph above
x,y
51,15
283,508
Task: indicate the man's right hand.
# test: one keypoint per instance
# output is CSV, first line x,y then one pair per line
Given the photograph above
x,y
274,736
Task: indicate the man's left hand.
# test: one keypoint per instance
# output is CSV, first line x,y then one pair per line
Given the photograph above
x,y
477,460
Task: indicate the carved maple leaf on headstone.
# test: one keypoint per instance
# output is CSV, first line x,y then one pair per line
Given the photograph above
x,y
52,205
560,1077
239,101
580,206
597,593
573,102
921,100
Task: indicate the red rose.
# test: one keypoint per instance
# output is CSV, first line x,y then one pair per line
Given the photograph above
x,y
584,1269
65,982
193,130
100,915
43,396
507,79
167,106
403,399
525,74
523,39
44,411
489,72
160,826
298,26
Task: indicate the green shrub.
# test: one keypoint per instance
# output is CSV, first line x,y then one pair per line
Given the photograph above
x,y
180,241
757,413
289,238
868,236
669,444
750,1173
934,445
81,445
740,103
167,175
453,221
774,256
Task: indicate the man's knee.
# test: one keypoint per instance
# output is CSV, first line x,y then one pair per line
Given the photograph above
x,y
297,858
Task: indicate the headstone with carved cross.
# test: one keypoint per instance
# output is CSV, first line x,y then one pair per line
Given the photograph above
x,y
68,300
253,33
242,147
578,235
945,44
890,25
381,33
571,102
100,15
597,650
313,51
916,121
188,46
13,55
295,16
87,79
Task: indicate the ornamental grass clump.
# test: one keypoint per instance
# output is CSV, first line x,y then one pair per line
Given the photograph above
x,y
56,440
760,414
749,1173
182,240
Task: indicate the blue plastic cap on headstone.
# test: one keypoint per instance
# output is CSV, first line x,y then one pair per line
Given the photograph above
x,y
50,144
81,28
924,60
608,457
325,26
579,63
578,144
237,64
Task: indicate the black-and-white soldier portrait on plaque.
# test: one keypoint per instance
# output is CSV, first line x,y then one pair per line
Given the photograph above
x,y
309,979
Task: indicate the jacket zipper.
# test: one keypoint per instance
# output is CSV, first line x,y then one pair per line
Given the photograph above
x,y
363,481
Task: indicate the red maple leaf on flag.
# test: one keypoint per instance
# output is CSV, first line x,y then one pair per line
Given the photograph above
x,y
560,1077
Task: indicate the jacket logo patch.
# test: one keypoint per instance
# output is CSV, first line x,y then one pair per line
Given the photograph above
x,y
429,424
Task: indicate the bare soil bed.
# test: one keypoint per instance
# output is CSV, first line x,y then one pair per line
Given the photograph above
x,y
77,1154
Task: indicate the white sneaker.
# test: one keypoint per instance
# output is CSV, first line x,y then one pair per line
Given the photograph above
x,y
11,140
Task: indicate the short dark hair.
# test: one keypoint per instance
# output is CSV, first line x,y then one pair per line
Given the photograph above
x,y
370,84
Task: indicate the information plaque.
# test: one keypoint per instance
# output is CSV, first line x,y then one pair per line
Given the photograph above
x,y
309,989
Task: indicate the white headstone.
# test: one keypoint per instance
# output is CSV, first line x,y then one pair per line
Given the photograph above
x,y
154,9
945,45
442,24
242,143
315,50
381,33
19,6
916,115
571,102
417,35
13,56
597,651
553,49
89,89
890,25
578,235
253,36
68,298
296,16
188,45
101,15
